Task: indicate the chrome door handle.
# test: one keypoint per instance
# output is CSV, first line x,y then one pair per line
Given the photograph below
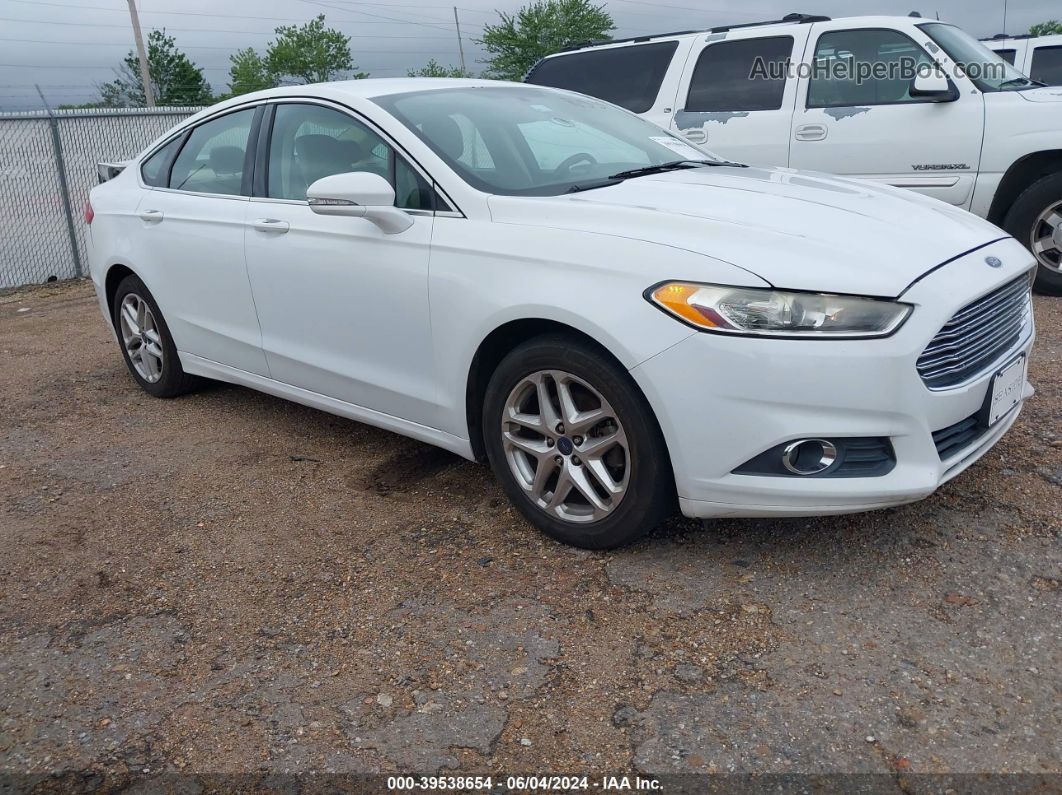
x,y
811,132
695,136
151,216
271,225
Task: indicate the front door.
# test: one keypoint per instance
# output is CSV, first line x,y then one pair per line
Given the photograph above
x,y
737,99
873,128
343,305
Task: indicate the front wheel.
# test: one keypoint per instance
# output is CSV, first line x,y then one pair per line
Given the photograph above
x,y
1035,219
575,445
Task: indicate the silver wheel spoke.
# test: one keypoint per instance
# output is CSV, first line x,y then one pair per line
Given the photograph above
x,y
547,428
141,338
1046,240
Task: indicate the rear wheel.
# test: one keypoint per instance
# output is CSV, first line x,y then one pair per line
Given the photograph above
x,y
575,445
147,345
1036,220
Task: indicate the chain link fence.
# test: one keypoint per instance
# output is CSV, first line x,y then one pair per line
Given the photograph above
x,y
47,167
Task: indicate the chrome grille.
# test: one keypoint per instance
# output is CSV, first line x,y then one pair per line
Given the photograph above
x,y
977,335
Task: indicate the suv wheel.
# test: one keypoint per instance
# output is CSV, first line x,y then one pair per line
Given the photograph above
x,y
147,345
1036,220
575,445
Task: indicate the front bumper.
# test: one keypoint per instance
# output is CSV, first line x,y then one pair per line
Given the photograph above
x,y
723,400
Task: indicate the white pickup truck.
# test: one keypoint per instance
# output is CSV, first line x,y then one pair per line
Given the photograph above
x,y
839,96
1039,57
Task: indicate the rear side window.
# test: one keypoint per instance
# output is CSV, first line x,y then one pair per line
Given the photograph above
x,y
1007,55
155,170
740,75
212,159
1047,65
626,76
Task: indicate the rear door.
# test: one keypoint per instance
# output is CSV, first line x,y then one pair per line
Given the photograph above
x,y
871,127
736,96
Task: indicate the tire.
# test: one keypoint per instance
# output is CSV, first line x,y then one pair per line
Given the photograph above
x,y
1025,221
159,375
538,466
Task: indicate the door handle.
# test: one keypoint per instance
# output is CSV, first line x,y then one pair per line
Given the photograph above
x,y
151,216
811,132
271,225
695,136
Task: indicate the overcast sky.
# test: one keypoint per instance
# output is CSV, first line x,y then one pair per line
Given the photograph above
x,y
70,46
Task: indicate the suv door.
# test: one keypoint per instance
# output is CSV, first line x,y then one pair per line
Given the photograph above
x,y
736,97
343,305
192,221
873,128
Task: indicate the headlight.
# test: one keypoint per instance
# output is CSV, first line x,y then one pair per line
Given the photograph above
x,y
777,313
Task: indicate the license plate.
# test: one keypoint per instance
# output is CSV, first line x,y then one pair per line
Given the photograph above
x,y
1007,387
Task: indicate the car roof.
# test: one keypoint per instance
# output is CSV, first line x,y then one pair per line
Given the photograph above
x,y
367,88
764,28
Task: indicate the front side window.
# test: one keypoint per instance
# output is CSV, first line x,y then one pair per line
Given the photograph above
x,y
986,69
309,142
1047,66
740,75
155,170
212,159
1007,55
534,142
842,56
626,76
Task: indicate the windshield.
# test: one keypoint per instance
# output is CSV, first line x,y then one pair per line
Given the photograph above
x,y
524,141
988,71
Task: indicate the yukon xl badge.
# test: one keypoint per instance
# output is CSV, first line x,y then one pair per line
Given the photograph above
x,y
940,167
993,262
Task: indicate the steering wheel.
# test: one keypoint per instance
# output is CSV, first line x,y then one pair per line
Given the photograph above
x,y
578,157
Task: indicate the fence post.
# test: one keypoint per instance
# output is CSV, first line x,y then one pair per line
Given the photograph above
x,y
57,146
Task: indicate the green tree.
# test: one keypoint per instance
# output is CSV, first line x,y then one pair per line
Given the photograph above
x,y
435,69
309,53
518,41
1046,28
175,80
248,72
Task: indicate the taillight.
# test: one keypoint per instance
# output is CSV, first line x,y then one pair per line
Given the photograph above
x,y
89,215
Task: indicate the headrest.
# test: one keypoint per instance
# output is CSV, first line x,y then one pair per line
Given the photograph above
x,y
226,160
443,132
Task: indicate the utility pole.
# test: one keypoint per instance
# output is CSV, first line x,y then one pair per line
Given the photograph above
x,y
145,73
460,44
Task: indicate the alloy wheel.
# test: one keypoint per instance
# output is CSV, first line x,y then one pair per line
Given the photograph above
x,y
141,337
565,446
1046,240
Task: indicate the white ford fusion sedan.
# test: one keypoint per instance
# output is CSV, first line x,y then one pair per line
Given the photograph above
x,y
617,321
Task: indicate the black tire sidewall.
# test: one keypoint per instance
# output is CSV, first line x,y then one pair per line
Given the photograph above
x,y
173,381
650,489
1023,214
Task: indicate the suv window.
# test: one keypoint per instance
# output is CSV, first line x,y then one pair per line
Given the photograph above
x,y
740,75
1047,65
309,142
626,76
212,159
154,169
847,50
1007,55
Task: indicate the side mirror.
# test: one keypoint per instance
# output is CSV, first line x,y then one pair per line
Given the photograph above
x,y
359,194
934,86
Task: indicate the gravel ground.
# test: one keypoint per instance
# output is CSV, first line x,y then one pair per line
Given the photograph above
x,y
230,583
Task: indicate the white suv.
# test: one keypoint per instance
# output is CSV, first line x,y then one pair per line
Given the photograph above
x,y
986,138
1040,57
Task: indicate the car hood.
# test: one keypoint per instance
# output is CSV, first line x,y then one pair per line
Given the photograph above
x,y
796,230
1045,94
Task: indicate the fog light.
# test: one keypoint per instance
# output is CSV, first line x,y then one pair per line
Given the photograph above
x,y
808,456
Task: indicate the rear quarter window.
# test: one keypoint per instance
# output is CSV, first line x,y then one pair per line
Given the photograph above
x,y
626,76
156,169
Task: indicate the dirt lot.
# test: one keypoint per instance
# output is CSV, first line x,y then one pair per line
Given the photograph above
x,y
230,583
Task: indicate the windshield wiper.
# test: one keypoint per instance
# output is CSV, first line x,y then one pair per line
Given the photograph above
x,y
673,165
1022,82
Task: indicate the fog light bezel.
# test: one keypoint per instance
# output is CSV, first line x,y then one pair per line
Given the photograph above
x,y
856,456
827,457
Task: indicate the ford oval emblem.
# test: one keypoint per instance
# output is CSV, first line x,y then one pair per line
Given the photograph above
x,y
993,262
